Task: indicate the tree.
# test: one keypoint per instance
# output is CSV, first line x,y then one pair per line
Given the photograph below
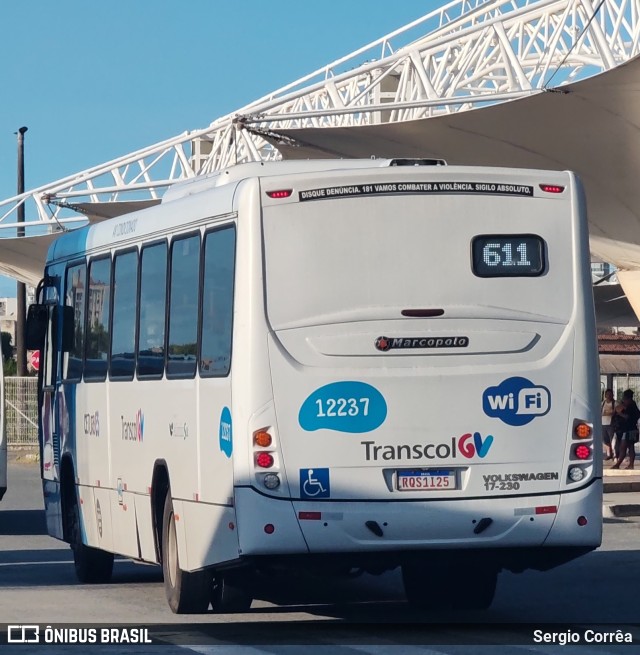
x,y
7,348
10,366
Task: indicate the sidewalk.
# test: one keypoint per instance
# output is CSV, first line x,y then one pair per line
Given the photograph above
x,y
621,492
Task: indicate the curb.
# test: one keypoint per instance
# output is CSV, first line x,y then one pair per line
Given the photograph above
x,y
620,511
620,487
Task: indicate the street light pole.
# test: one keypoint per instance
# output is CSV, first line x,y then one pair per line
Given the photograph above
x,y
21,290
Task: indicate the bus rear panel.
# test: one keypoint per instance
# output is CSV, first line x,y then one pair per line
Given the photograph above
x,y
431,353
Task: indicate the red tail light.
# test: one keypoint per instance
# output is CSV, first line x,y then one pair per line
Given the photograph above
x,y
552,188
582,452
264,460
281,193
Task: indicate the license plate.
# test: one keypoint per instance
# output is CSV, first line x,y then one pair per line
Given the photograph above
x,y
439,480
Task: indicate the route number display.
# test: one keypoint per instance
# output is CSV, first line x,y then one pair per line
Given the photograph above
x,y
517,255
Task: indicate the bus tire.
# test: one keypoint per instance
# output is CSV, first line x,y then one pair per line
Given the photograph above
x,y
228,598
187,593
92,565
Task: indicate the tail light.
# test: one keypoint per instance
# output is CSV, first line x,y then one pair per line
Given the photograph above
x,y
264,460
266,456
582,452
262,438
582,431
280,193
552,188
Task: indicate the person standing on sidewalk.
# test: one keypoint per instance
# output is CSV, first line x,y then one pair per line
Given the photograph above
x,y
630,413
608,409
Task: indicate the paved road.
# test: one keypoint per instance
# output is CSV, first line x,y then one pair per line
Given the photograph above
x,y
38,586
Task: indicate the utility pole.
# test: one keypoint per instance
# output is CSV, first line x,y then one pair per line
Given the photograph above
x,y
21,290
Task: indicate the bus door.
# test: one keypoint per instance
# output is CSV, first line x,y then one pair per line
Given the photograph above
x,y
50,429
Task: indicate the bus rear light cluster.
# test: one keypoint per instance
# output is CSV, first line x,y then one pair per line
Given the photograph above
x,y
265,457
581,449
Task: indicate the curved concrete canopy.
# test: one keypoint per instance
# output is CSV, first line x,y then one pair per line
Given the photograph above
x,y
591,127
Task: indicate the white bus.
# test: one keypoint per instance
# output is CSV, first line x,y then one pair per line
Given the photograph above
x,y
333,364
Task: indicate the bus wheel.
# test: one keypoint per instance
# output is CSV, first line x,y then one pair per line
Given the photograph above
x,y
92,565
227,598
187,593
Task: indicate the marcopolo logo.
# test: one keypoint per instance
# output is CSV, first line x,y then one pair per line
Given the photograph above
x,y
387,343
468,445
516,401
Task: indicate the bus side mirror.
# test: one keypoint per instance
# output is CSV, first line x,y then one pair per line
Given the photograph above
x,y
68,327
36,327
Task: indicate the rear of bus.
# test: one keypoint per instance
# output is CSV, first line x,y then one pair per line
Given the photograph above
x,y
433,374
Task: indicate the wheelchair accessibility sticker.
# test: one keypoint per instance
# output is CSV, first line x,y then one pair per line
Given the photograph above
x,y
314,483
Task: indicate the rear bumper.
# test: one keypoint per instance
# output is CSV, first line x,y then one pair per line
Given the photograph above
x,y
304,527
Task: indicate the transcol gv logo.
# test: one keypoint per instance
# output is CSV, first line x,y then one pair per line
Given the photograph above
x,y
469,445
516,401
133,430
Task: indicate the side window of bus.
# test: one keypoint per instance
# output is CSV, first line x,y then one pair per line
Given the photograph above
x,y
96,362
217,302
125,304
183,307
153,299
75,296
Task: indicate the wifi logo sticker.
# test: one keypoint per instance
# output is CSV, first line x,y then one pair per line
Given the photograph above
x,y
516,401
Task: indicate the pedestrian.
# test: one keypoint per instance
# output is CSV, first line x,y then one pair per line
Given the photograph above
x,y
630,413
607,411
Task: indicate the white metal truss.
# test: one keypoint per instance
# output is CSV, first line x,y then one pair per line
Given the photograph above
x,y
466,54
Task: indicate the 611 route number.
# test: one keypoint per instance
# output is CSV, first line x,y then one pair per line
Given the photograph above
x,y
342,407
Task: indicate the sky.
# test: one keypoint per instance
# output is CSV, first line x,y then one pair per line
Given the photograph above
x,y
96,80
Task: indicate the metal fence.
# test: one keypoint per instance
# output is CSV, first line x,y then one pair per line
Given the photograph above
x,y
21,400
619,383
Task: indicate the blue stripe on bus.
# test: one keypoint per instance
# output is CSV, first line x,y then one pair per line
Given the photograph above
x,y
69,244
